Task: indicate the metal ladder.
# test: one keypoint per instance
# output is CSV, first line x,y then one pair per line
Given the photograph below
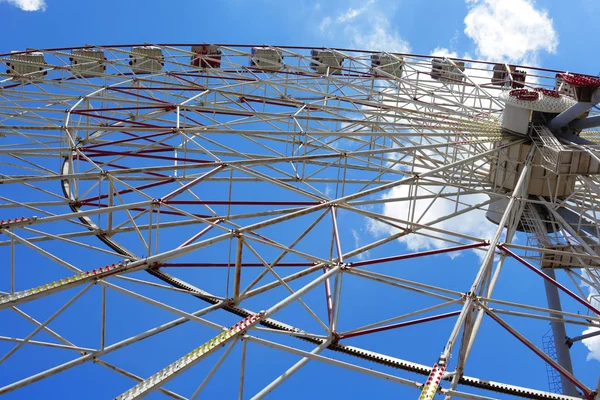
x,y
549,147
554,383
533,226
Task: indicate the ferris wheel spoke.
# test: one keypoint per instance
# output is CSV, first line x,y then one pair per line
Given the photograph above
x,y
407,227
38,249
49,236
272,243
279,279
214,370
542,317
233,333
108,349
406,284
46,344
587,391
46,329
284,252
383,324
136,378
160,305
353,367
45,323
287,374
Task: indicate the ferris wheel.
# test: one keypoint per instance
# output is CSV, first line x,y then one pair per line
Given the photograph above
x,y
194,220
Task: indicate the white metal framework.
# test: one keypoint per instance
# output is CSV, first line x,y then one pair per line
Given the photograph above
x,y
160,202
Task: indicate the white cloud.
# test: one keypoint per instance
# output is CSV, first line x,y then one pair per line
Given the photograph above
x,y
472,223
352,13
366,27
325,23
444,52
512,31
356,236
379,38
593,343
27,5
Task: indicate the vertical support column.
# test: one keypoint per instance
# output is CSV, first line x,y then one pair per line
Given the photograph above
x,y
469,307
12,262
237,276
563,354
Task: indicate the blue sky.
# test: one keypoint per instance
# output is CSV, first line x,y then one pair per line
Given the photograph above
x,y
551,34
421,26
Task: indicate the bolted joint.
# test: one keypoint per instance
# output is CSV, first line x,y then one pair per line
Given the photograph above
x,y
154,266
470,295
335,338
231,302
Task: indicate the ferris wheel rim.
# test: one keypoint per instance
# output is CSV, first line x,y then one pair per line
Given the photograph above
x,y
247,45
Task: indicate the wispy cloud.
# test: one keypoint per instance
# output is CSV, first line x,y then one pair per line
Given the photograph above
x,y
352,13
592,343
356,236
27,5
365,27
325,23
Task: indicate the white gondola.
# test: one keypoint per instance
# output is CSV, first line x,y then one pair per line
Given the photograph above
x,y
447,71
385,64
146,59
326,62
508,76
27,65
266,58
88,62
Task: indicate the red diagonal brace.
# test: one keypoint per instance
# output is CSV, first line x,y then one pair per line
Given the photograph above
x,y
419,254
553,281
540,353
401,324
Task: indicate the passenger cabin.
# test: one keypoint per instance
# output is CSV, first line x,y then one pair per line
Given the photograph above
x,y
447,71
206,56
508,76
88,62
266,59
583,86
387,64
146,59
326,62
27,65
563,87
